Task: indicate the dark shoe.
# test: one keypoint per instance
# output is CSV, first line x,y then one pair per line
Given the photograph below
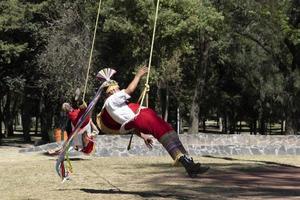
x,y
192,168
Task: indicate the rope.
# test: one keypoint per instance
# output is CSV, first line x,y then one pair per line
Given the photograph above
x,y
146,89
91,52
69,167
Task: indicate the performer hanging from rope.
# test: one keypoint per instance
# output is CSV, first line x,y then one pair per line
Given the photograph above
x,y
84,141
76,102
118,115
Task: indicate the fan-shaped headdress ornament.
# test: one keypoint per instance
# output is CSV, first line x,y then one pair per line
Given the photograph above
x,y
106,74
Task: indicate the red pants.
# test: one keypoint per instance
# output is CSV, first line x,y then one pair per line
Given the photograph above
x,y
149,122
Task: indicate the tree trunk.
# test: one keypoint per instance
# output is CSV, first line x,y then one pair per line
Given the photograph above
x,y
158,105
10,111
240,127
291,122
200,73
262,126
46,119
7,116
36,124
26,124
194,113
220,124
27,108
232,125
1,120
282,126
253,126
290,126
164,100
1,134
166,112
294,20
204,124
178,121
294,49
225,130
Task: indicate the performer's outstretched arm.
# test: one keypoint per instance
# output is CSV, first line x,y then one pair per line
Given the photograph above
x,y
147,139
132,86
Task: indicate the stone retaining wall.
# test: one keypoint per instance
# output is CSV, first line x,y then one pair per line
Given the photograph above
x,y
196,144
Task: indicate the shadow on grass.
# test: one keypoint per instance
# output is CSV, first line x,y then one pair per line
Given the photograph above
x,y
164,166
259,179
183,192
257,161
78,159
144,194
254,180
261,192
12,142
240,181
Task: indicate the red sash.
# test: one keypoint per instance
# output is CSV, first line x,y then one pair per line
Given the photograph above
x,y
109,122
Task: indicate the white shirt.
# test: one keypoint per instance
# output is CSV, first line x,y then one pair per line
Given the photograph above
x,y
118,109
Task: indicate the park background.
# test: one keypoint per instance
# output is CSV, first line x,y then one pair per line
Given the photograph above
x,y
228,67
232,63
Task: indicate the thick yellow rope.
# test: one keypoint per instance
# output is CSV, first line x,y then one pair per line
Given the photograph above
x,y
91,52
69,165
146,89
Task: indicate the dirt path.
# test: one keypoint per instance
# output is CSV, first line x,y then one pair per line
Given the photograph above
x,y
32,177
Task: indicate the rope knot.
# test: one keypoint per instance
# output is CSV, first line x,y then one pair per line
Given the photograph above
x,y
147,87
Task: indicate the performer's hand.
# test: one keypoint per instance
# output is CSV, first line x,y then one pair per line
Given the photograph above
x,y
142,71
148,141
94,133
83,105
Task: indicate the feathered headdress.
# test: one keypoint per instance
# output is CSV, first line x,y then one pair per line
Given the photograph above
x,y
105,75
